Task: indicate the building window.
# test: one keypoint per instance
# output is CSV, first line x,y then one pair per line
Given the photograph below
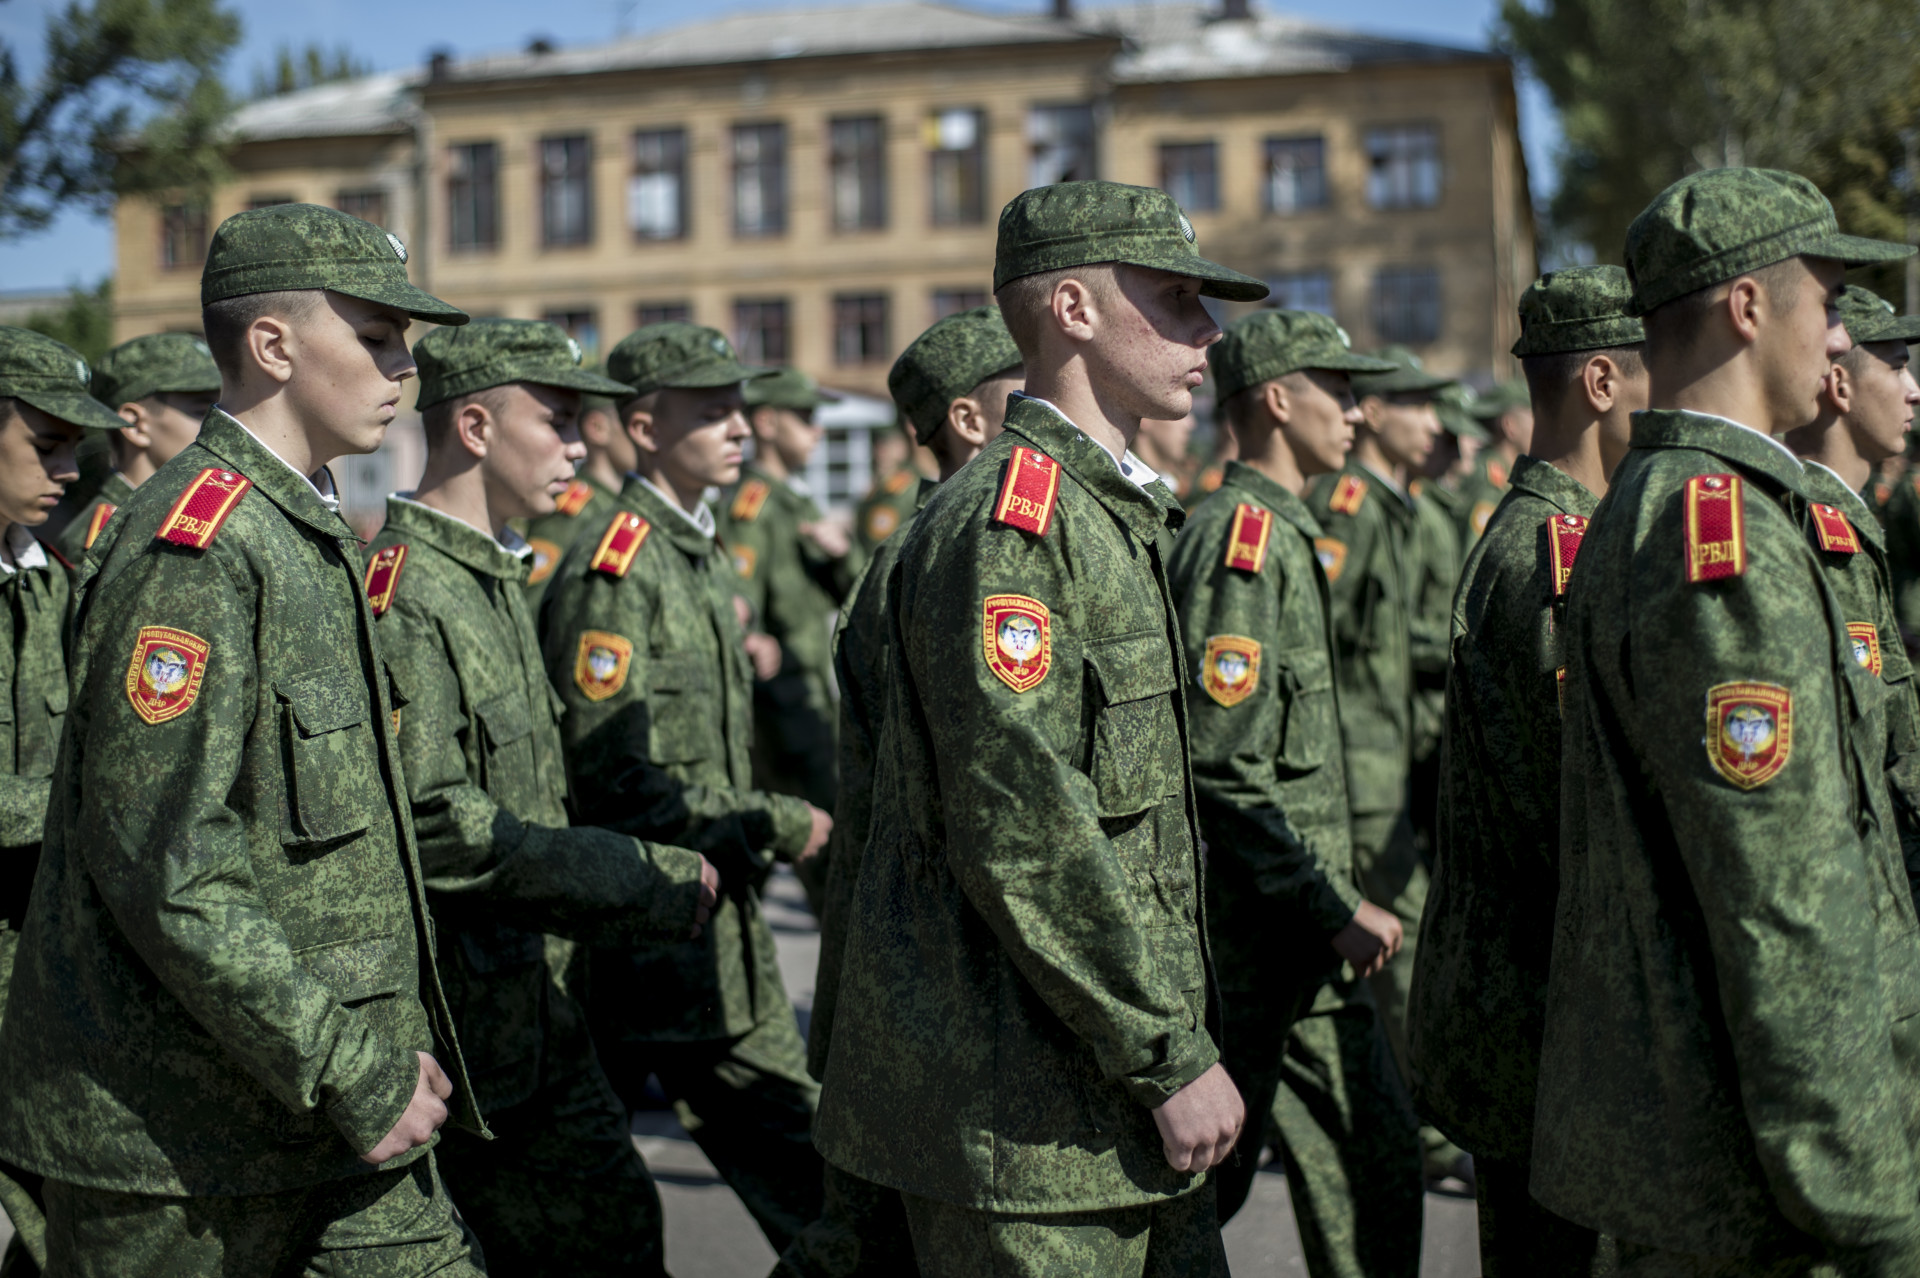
x,y
1296,174
1403,167
1406,304
951,301
860,329
957,164
582,325
760,331
1302,291
657,192
267,201
662,313
859,158
473,196
1189,174
759,179
183,234
566,191
1059,144
368,206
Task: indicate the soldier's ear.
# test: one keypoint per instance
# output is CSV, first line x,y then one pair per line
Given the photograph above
x,y
1275,398
639,425
967,418
473,426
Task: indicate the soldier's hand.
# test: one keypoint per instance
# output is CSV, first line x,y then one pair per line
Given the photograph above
x,y
830,537
816,837
425,1112
1200,1123
709,896
764,652
1370,940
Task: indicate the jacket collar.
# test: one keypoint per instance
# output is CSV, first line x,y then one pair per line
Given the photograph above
x,y
272,476
1273,497
455,538
1746,448
1092,467
1828,487
1554,486
116,490
668,520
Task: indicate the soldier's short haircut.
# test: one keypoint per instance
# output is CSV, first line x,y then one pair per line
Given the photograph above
x,y
1673,327
1551,378
437,420
1026,302
226,321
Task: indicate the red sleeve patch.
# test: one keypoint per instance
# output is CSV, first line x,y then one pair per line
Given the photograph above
x,y
1716,528
620,543
1247,542
196,517
101,514
1028,492
1348,495
1835,530
383,577
574,500
1564,534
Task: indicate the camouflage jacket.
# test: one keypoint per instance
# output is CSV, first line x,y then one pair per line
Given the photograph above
x,y
33,681
792,585
80,533
1480,977
892,503
584,508
1480,491
1264,719
1025,972
657,725
1435,563
1731,1059
480,747
1367,554
1901,516
226,967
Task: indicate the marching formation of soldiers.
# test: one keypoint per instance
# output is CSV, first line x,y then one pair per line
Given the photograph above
x,y
1514,795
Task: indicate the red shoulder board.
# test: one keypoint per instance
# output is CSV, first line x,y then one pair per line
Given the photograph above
x,y
1348,495
620,543
1416,488
1247,542
748,501
383,577
572,501
897,482
1497,474
1835,530
1564,533
101,514
1028,492
196,518
1716,529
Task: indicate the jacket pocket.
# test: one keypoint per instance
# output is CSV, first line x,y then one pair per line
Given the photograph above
x,y
1135,760
358,968
1308,727
681,705
332,772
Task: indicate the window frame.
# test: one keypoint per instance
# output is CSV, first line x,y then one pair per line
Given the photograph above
x,y
184,223
968,167
872,341
676,166
1394,171
865,167
1406,277
1274,143
555,230
481,195
776,225
1037,147
1168,151
751,349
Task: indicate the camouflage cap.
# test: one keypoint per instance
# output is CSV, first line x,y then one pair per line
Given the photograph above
x,y
52,377
1583,308
788,388
154,365
677,355
1871,318
1051,228
1268,344
1720,223
499,352
302,246
1504,397
952,357
1454,407
1408,375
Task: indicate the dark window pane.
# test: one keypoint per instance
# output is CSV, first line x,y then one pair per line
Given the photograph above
x,y
662,313
473,196
1296,174
1188,173
369,206
760,331
1302,291
759,179
267,201
582,325
657,192
957,166
1403,167
1060,144
860,329
951,301
1406,304
183,234
566,191
858,153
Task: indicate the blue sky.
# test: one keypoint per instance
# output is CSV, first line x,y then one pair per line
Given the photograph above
x,y
390,36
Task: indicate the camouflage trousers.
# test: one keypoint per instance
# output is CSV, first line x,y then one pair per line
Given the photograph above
x,y
1177,1238
398,1223
26,1251
748,1103
1631,1260
793,736
1349,1141
560,1191
1521,1239
861,1233
1256,1026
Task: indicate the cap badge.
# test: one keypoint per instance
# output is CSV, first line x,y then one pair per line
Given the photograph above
x,y
81,371
1186,227
399,249
573,348
719,345
1344,339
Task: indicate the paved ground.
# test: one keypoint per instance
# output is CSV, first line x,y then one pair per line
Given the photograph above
x,y
710,1235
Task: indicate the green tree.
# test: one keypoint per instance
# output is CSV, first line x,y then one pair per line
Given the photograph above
x,y
128,100
313,65
84,321
1650,90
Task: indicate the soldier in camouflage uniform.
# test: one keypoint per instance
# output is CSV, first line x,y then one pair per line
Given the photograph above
x,y
225,1045
1730,1069
588,502
895,496
1023,1043
644,646
1479,985
1865,413
1284,911
44,410
794,571
560,1189
162,386
1506,413
951,386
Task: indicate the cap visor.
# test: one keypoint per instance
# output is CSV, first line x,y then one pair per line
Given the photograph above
x,y
1228,285
586,383
81,410
1352,364
416,302
1857,250
723,374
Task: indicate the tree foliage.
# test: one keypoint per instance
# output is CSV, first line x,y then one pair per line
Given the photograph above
x,y
313,65
84,321
128,99
1650,90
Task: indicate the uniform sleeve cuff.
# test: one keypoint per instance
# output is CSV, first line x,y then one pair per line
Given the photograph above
x,y
1332,905
367,1111
1193,1057
792,826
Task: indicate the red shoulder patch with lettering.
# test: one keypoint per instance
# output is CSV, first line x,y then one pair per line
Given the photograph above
x,y
620,543
383,577
205,504
1835,530
748,501
1716,528
1564,533
101,514
1348,495
1027,493
1247,542
575,499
